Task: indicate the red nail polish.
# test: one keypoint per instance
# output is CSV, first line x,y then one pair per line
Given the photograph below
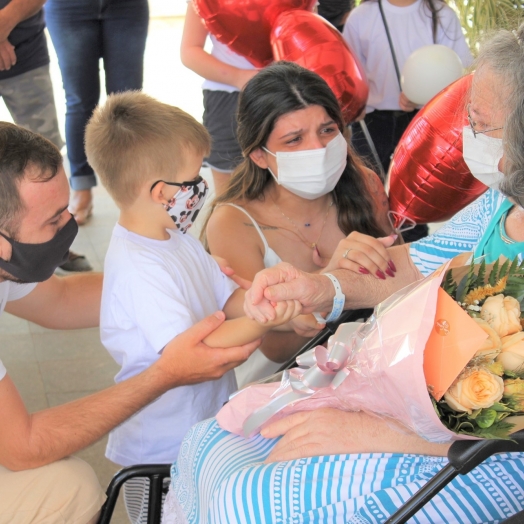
x,y
392,266
380,275
389,272
363,270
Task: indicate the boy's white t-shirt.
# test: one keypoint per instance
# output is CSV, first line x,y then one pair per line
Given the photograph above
x,y
410,28
10,291
154,290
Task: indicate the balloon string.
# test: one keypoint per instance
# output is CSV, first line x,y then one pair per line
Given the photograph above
x,y
374,152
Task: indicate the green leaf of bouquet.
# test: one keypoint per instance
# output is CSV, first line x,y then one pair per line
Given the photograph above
x,y
449,285
503,270
474,414
465,427
500,407
481,274
501,430
493,276
486,418
515,287
514,266
465,284
501,416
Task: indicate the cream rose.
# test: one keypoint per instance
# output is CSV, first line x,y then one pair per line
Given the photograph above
x,y
512,354
491,346
502,314
478,389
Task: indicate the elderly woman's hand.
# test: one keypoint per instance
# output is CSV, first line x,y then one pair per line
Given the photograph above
x,y
333,432
365,255
285,282
323,432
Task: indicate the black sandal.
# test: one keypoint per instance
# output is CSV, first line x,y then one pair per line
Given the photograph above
x,y
76,263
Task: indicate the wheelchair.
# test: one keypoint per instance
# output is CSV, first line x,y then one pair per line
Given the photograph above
x,y
463,457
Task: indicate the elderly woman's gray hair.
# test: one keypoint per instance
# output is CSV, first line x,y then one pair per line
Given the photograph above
x,y
503,53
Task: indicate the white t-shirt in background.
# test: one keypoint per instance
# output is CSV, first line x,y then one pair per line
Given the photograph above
x,y
410,28
10,291
221,52
154,290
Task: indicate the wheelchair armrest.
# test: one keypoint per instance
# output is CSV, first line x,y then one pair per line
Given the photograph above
x,y
465,455
154,472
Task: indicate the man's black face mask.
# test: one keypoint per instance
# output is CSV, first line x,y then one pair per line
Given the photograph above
x,y
37,262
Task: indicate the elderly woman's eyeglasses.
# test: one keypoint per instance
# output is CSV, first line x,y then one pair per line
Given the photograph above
x,y
473,124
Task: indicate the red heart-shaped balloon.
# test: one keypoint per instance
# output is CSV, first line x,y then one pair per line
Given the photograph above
x,y
244,25
428,178
312,42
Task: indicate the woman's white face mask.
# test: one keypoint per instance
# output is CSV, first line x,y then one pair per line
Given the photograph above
x,y
482,155
312,173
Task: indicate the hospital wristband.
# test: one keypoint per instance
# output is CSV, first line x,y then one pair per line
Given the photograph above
x,y
338,301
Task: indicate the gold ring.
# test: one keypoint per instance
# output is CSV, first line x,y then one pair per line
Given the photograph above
x,y
345,255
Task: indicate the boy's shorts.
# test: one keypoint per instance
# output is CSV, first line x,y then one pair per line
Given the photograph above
x,y
220,108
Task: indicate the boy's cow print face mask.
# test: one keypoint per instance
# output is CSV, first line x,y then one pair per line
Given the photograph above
x,y
187,202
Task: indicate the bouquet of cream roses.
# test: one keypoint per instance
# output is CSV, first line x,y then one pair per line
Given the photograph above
x,y
491,387
430,357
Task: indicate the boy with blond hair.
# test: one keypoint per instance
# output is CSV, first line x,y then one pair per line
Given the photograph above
x,y
159,281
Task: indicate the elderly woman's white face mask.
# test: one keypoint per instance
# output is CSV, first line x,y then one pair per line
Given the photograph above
x,y
482,155
481,150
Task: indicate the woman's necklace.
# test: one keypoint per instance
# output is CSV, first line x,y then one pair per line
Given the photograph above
x,y
317,259
502,232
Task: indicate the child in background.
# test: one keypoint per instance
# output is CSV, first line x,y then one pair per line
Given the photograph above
x,y
225,73
159,281
412,24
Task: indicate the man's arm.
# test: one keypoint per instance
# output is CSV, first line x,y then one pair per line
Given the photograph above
x,y
71,302
10,16
29,441
15,12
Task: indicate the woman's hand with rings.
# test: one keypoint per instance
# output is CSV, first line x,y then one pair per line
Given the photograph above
x,y
365,255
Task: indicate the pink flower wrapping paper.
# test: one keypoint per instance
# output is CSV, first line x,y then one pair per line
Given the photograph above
x,y
377,369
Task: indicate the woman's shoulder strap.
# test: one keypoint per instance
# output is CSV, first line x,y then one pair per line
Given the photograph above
x,y
257,227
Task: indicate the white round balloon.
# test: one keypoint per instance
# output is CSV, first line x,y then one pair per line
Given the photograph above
x,y
428,70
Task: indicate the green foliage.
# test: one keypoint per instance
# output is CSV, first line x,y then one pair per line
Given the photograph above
x,y
493,276
515,283
483,423
466,284
449,285
480,281
478,17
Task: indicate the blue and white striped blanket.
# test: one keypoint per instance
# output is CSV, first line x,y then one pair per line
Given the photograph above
x,y
220,478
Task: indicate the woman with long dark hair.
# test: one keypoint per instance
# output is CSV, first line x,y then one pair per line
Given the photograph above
x,y
298,192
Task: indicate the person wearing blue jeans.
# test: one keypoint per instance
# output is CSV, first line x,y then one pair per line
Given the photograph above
x,y
82,32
